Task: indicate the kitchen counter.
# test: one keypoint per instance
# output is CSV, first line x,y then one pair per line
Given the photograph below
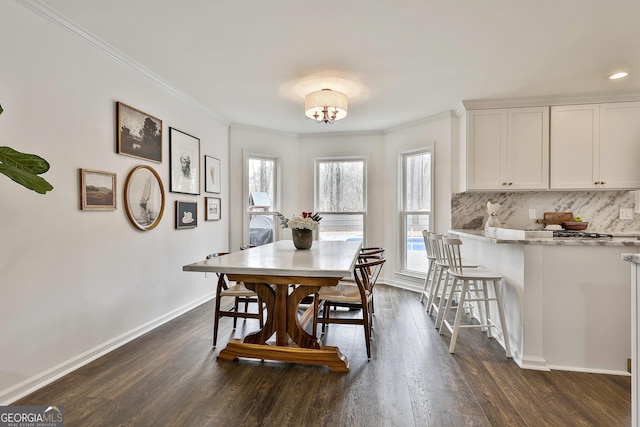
x,y
627,239
566,300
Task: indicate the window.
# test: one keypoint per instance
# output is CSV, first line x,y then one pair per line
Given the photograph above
x,y
417,194
261,201
340,198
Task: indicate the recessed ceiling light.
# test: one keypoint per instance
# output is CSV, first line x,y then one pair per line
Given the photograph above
x,y
618,75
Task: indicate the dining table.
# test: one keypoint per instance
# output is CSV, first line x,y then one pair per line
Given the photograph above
x,y
282,276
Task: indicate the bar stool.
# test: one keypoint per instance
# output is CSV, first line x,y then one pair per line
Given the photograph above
x,y
439,267
462,277
431,259
440,280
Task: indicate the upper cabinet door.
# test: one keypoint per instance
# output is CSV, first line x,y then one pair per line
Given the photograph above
x,y
486,149
528,148
620,145
508,149
574,146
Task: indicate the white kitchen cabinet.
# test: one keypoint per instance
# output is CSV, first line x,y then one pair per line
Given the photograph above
x,y
508,149
620,145
595,146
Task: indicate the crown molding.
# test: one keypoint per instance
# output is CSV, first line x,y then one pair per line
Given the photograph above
x,y
425,120
340,134
63,22
234,125
551,100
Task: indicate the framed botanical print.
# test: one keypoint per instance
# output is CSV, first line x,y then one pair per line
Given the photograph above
x,y
97,190
212,176
139,133
144,197
186,214
213,208
184,152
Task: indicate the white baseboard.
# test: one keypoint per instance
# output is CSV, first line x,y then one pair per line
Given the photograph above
x,y
40,380
534,363
588,370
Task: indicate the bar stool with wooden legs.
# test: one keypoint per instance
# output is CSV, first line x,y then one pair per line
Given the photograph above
x,y
462,277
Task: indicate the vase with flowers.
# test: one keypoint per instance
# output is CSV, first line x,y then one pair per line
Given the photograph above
x,y
302,226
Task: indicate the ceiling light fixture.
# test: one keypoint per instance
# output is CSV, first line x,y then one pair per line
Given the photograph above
x,y
618,75
326,106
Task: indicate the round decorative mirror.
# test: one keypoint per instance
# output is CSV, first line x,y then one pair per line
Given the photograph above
x,y
144,197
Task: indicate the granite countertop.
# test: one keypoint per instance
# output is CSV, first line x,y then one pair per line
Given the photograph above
x,y
619,239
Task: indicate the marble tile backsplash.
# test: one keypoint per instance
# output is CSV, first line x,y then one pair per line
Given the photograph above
x,y
600,208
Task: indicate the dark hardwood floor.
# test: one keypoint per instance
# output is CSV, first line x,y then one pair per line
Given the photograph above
x,y
170,377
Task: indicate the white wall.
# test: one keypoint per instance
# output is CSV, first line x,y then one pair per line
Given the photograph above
x,y
76,283
436,132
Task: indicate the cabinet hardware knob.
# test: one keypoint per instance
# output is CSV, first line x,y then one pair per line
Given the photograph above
x,y
504,183
511,183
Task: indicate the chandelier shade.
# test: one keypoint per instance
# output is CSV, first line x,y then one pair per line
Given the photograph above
x,y
326,105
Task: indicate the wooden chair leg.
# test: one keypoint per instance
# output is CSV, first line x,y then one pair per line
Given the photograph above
x,y
315,315
235,319
366,316
216,317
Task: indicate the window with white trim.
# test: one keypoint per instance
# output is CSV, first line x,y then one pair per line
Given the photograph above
x,y
416,214
262,202
340,198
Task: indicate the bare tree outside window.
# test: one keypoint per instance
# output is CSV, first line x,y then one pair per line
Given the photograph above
x,y
418,179
341,198
261,176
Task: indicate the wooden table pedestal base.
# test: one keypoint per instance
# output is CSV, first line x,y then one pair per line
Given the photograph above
x,y
325,356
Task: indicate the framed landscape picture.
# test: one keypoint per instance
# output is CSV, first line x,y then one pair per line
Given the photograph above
x,y
212,182
139,134
144,197
213,208
97,190
184,152
186,214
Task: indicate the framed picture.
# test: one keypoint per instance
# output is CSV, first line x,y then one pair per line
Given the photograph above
x,y
213,208
186,214
97,190
212,182
139,134
144,197
184,151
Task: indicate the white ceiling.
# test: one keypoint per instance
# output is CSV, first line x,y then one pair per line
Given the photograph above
x,y
250,62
